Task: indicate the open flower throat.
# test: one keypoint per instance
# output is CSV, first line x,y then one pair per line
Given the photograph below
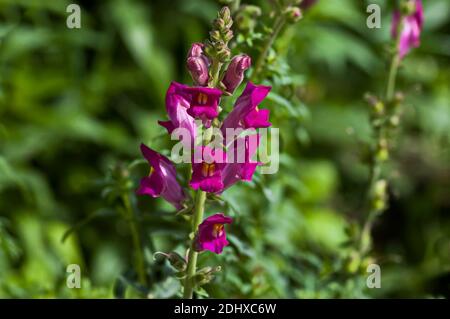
x,y
217,230
211,233
202,98
208,169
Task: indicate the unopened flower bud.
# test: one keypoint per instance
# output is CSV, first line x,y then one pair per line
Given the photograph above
x,y
394,121
379,195
235,72
382,150
205,275
293,14
196,49
225,13
223,54
198,64
215,35
380,188
219,23
228,36
175,260
378,108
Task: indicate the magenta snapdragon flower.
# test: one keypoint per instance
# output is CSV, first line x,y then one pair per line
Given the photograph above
x,y
411,28
204,102
177,105
215,172
211,233
207,174
235,72
162,179
185,103
246,113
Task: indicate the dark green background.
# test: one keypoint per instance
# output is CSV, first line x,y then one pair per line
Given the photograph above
x,y
74,103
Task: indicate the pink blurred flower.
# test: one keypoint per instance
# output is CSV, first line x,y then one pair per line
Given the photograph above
x,y
411,28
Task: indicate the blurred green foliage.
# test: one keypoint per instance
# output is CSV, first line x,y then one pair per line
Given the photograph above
x,y
76,103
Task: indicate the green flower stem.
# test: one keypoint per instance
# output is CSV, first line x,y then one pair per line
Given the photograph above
x,y
199,205
215,73
277,26
364,243
395,63
136,238
197,218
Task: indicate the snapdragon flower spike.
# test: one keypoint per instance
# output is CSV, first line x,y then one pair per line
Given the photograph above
x,y
246,113
211,233
177,105
162,179
235,72
198,64
207,175
411,28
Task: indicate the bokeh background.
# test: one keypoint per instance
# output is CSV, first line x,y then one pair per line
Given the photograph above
x,y
76,103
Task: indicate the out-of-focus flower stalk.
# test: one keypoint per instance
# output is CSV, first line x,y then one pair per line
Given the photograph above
x,y
288,13
277,26
395,63
383,113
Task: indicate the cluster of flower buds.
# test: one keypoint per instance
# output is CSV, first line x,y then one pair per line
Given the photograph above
x,y
204,60
219,36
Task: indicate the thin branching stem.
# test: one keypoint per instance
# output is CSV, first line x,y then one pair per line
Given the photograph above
x,y
380,132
